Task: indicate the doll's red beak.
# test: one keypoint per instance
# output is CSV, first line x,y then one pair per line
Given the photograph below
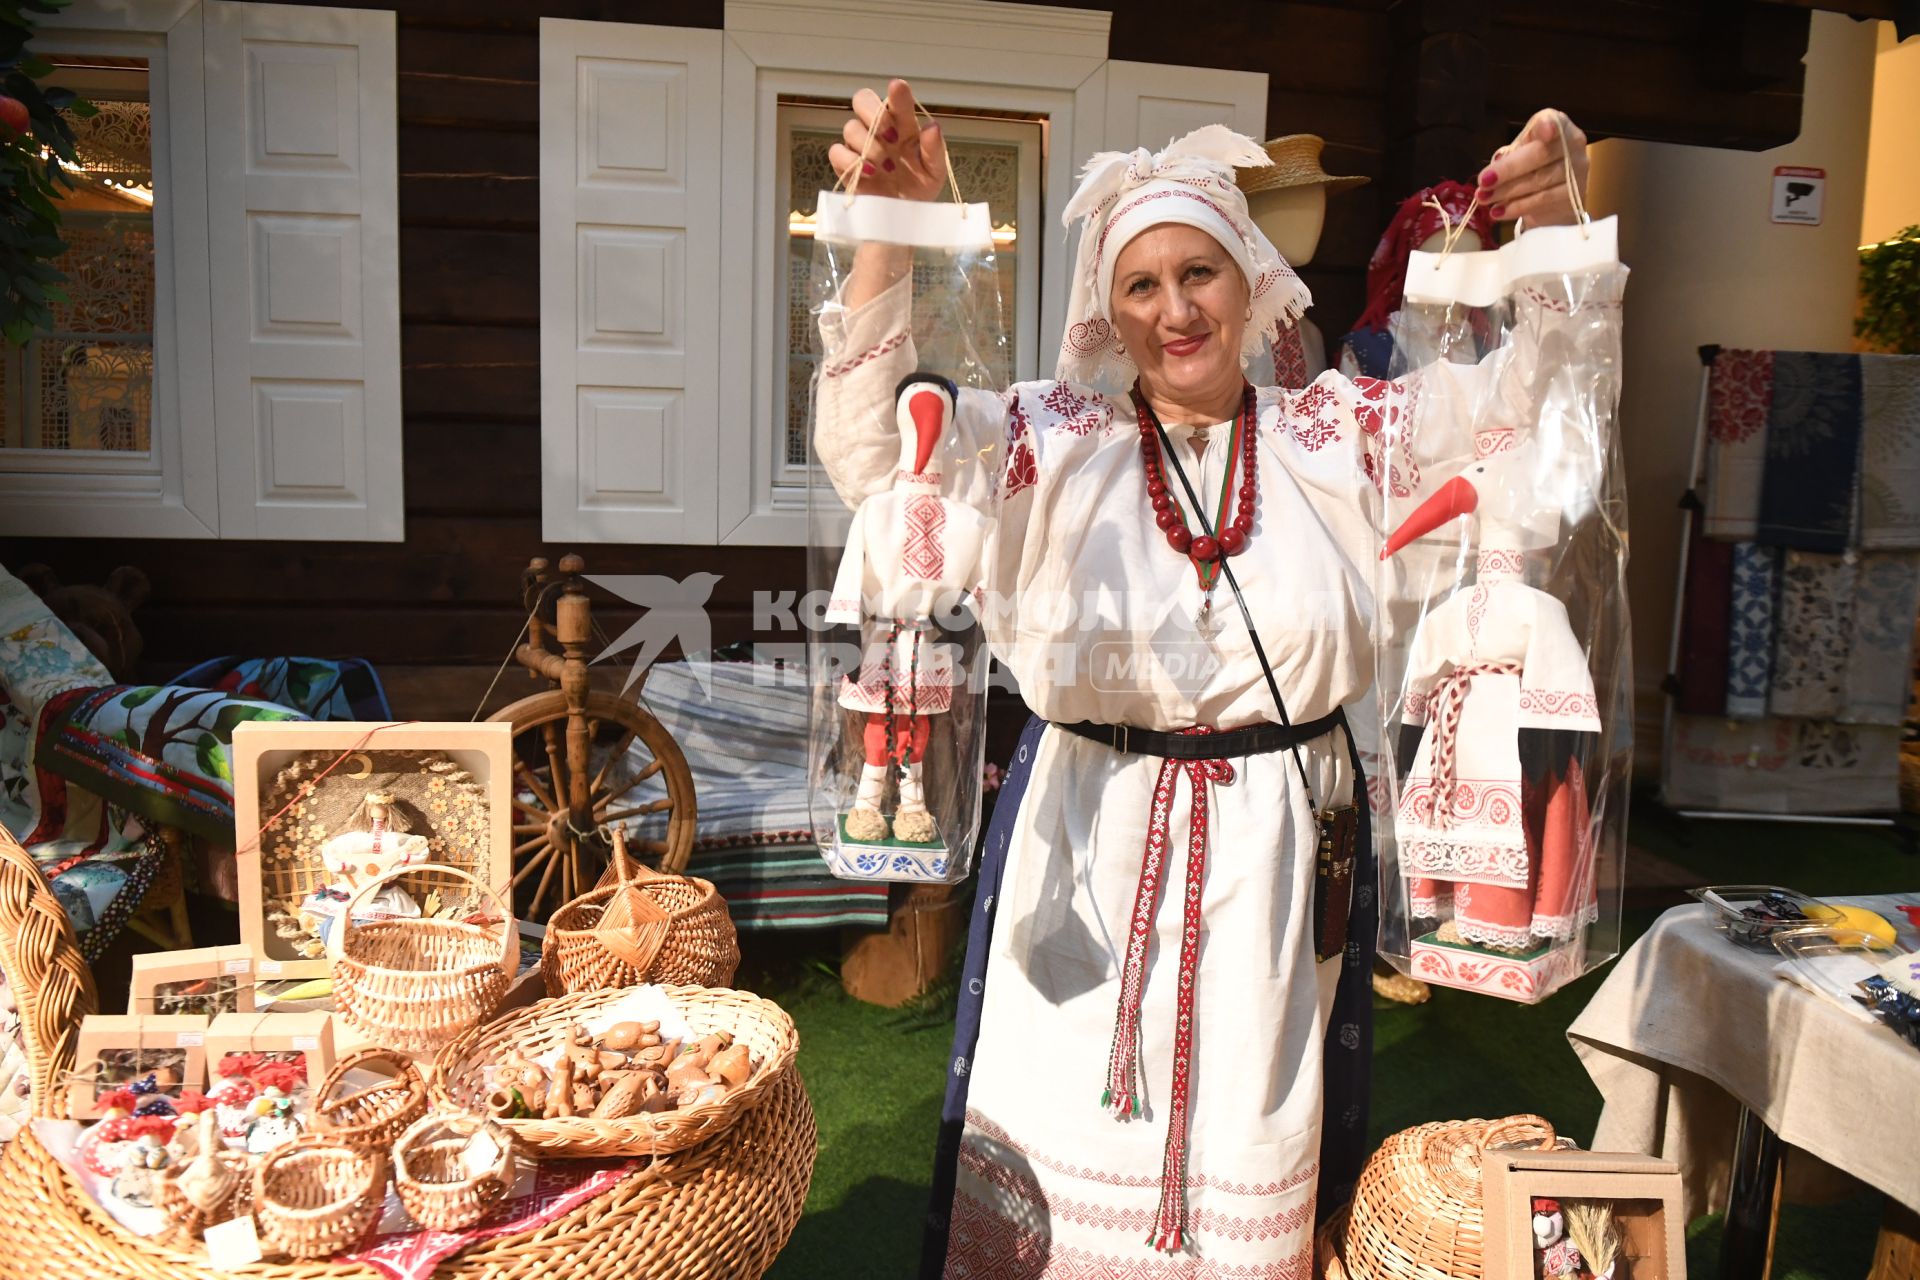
x,y
929,412
1456,498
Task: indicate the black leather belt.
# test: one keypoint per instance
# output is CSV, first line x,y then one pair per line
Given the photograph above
x,y
1226,744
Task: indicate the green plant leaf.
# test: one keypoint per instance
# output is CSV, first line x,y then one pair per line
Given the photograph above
x,y
211,754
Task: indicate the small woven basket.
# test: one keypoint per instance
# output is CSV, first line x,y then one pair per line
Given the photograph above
x,y
451,1170
416,983
664,928
315,1197
1418,1210
372,1118
460,1080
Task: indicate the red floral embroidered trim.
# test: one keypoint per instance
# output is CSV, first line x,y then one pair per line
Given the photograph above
x,y
871,353
1552,702
986,1128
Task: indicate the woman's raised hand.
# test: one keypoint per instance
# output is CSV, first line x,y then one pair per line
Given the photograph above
x,y
900,157
1529,179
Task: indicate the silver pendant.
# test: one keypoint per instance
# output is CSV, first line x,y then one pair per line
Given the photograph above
x,y
1205,621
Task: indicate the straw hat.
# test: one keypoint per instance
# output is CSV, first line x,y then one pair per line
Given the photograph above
x,y
1296,163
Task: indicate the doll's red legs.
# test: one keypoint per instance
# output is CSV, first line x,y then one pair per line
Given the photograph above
x,y
904,745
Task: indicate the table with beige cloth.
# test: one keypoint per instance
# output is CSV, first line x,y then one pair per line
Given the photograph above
x,y
1690,1028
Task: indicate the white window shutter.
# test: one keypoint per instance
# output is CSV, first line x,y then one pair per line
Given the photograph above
x,y
629,281
303,220
1148,104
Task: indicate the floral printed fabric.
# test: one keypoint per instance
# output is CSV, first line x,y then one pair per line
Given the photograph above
x,y
1781,766
1739,397
320,688
1814,636
1880,656
1750,630
1890,452
39,657
1807,491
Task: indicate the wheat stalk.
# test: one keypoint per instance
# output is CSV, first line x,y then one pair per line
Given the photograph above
x,y
1590,1227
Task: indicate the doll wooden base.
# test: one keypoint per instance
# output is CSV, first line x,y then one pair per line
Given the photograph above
x,y
1527,977
888,859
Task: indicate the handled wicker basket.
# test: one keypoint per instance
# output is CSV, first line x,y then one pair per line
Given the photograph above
x,y
1418,1212
414,983
639,925
460,1073
450,1170
373,1117
213,1186
315,1197
721,1211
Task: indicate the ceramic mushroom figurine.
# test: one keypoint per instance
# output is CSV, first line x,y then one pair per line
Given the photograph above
x,y
911,553
1493,823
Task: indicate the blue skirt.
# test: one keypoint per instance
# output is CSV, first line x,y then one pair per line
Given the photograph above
x,y
1348,1051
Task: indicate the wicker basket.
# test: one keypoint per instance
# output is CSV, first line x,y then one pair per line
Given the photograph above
x,y
215,1185
451,1170
315,1197
460,1073
721,1211
372,1118
671,929
416,983
1417,1210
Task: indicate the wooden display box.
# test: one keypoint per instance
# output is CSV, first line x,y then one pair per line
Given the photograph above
x,y
1643,1190
116,1048
206,981
453,784
273,1033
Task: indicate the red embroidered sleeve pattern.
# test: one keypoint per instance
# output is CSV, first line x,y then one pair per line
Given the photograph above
x,y
1384,452
871,353
1023,471
1078,415
1312,415
1570,703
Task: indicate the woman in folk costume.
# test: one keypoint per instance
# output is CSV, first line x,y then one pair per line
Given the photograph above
x,y
1139,1080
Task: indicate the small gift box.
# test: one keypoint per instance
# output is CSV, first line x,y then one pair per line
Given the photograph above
x,y
123,1061
1542,1208
205,980
264,1071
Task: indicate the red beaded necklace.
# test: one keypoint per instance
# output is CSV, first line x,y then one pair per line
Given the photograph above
x,y
1205,552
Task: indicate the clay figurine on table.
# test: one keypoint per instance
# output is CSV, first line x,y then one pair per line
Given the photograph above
x,y
379,840
1493,823
911,553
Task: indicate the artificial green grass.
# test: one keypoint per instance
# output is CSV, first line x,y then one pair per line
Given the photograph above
x,y
876,1076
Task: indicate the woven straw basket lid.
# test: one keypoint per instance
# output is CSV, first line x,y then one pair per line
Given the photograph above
x,y
1418,1212
1296,163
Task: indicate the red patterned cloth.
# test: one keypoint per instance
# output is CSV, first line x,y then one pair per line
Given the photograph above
x,y
1413,223
559,1187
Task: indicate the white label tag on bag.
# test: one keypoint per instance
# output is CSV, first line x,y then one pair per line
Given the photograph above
x,y
524,1172
233,1244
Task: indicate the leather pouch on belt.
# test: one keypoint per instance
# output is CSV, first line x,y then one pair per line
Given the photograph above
x,y
1333,880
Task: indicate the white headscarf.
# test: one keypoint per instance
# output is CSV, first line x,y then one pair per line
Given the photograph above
x,y
1122,194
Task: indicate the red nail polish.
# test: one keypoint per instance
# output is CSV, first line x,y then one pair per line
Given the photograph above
x,y
887,165
866,167
892,134
1498,211
1489,176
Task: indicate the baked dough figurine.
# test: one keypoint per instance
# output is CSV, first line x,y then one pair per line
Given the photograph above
x,y
378,840
1493,823
911,553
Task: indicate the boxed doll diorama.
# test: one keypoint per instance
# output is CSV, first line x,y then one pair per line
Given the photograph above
x,y
1583,1215
136,1065
351,814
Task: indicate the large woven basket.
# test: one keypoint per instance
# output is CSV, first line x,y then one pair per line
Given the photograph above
x,y
720,1211
460,1072
416,983
1418,1212
687,936
374,1116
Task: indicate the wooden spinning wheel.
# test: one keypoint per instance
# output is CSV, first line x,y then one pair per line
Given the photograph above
x,y
582,759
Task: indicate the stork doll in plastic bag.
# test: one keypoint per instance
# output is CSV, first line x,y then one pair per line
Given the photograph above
x,y
1513,755
910,553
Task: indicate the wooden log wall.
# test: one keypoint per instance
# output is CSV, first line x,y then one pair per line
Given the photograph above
x,y
1403,92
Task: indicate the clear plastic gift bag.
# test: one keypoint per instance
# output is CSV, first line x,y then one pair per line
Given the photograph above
x,y
1504,664
901,529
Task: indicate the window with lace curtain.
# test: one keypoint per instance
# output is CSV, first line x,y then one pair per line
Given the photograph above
x,y
85,384
997,162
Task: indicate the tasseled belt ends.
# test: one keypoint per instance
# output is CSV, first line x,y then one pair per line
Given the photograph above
x,y
1124,1095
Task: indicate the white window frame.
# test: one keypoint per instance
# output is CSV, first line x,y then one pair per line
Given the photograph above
x,y
789,481
209,366
992,56
171,490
